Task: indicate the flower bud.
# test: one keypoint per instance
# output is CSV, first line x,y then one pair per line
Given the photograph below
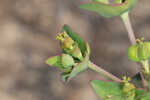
x,y
67,61
76,52
128,88
75,55
66,41
69,45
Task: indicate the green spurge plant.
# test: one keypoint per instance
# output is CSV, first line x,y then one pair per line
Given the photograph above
x,y
75,57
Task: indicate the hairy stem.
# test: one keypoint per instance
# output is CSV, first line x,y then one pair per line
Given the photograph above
x,y
103,72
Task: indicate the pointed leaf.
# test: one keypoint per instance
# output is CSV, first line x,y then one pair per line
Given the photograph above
x,y
110,10
108,89
81,43
55,61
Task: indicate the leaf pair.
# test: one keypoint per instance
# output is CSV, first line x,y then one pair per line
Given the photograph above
x,y
75,55
113,91
107,10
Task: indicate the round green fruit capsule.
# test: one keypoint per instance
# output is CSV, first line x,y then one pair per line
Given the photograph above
x,y
67,60
133,53
143,51
147,44
139,52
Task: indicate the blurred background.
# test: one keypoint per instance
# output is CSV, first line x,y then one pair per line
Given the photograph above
x,y
28,29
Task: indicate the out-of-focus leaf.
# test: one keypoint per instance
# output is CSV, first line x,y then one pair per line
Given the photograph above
x,y
139,92
149,85
104,90
67,60
81,43
145,97
118,1
124,16
110,10
55,62
103,1
142,95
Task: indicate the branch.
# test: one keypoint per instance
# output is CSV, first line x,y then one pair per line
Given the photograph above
x,y
103,72
131,35
130,31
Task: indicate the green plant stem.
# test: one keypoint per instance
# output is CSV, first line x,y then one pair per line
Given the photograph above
x,y
146,73
103,72
131,35
127,23
145,66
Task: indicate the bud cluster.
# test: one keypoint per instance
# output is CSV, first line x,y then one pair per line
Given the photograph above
x,y
128,88
75,56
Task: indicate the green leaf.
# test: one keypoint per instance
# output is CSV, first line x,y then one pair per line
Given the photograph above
x,y
118,1
67,60
109,10
81,43
142,95
139,92
104,1
149,85
108,89
55,61
145,97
